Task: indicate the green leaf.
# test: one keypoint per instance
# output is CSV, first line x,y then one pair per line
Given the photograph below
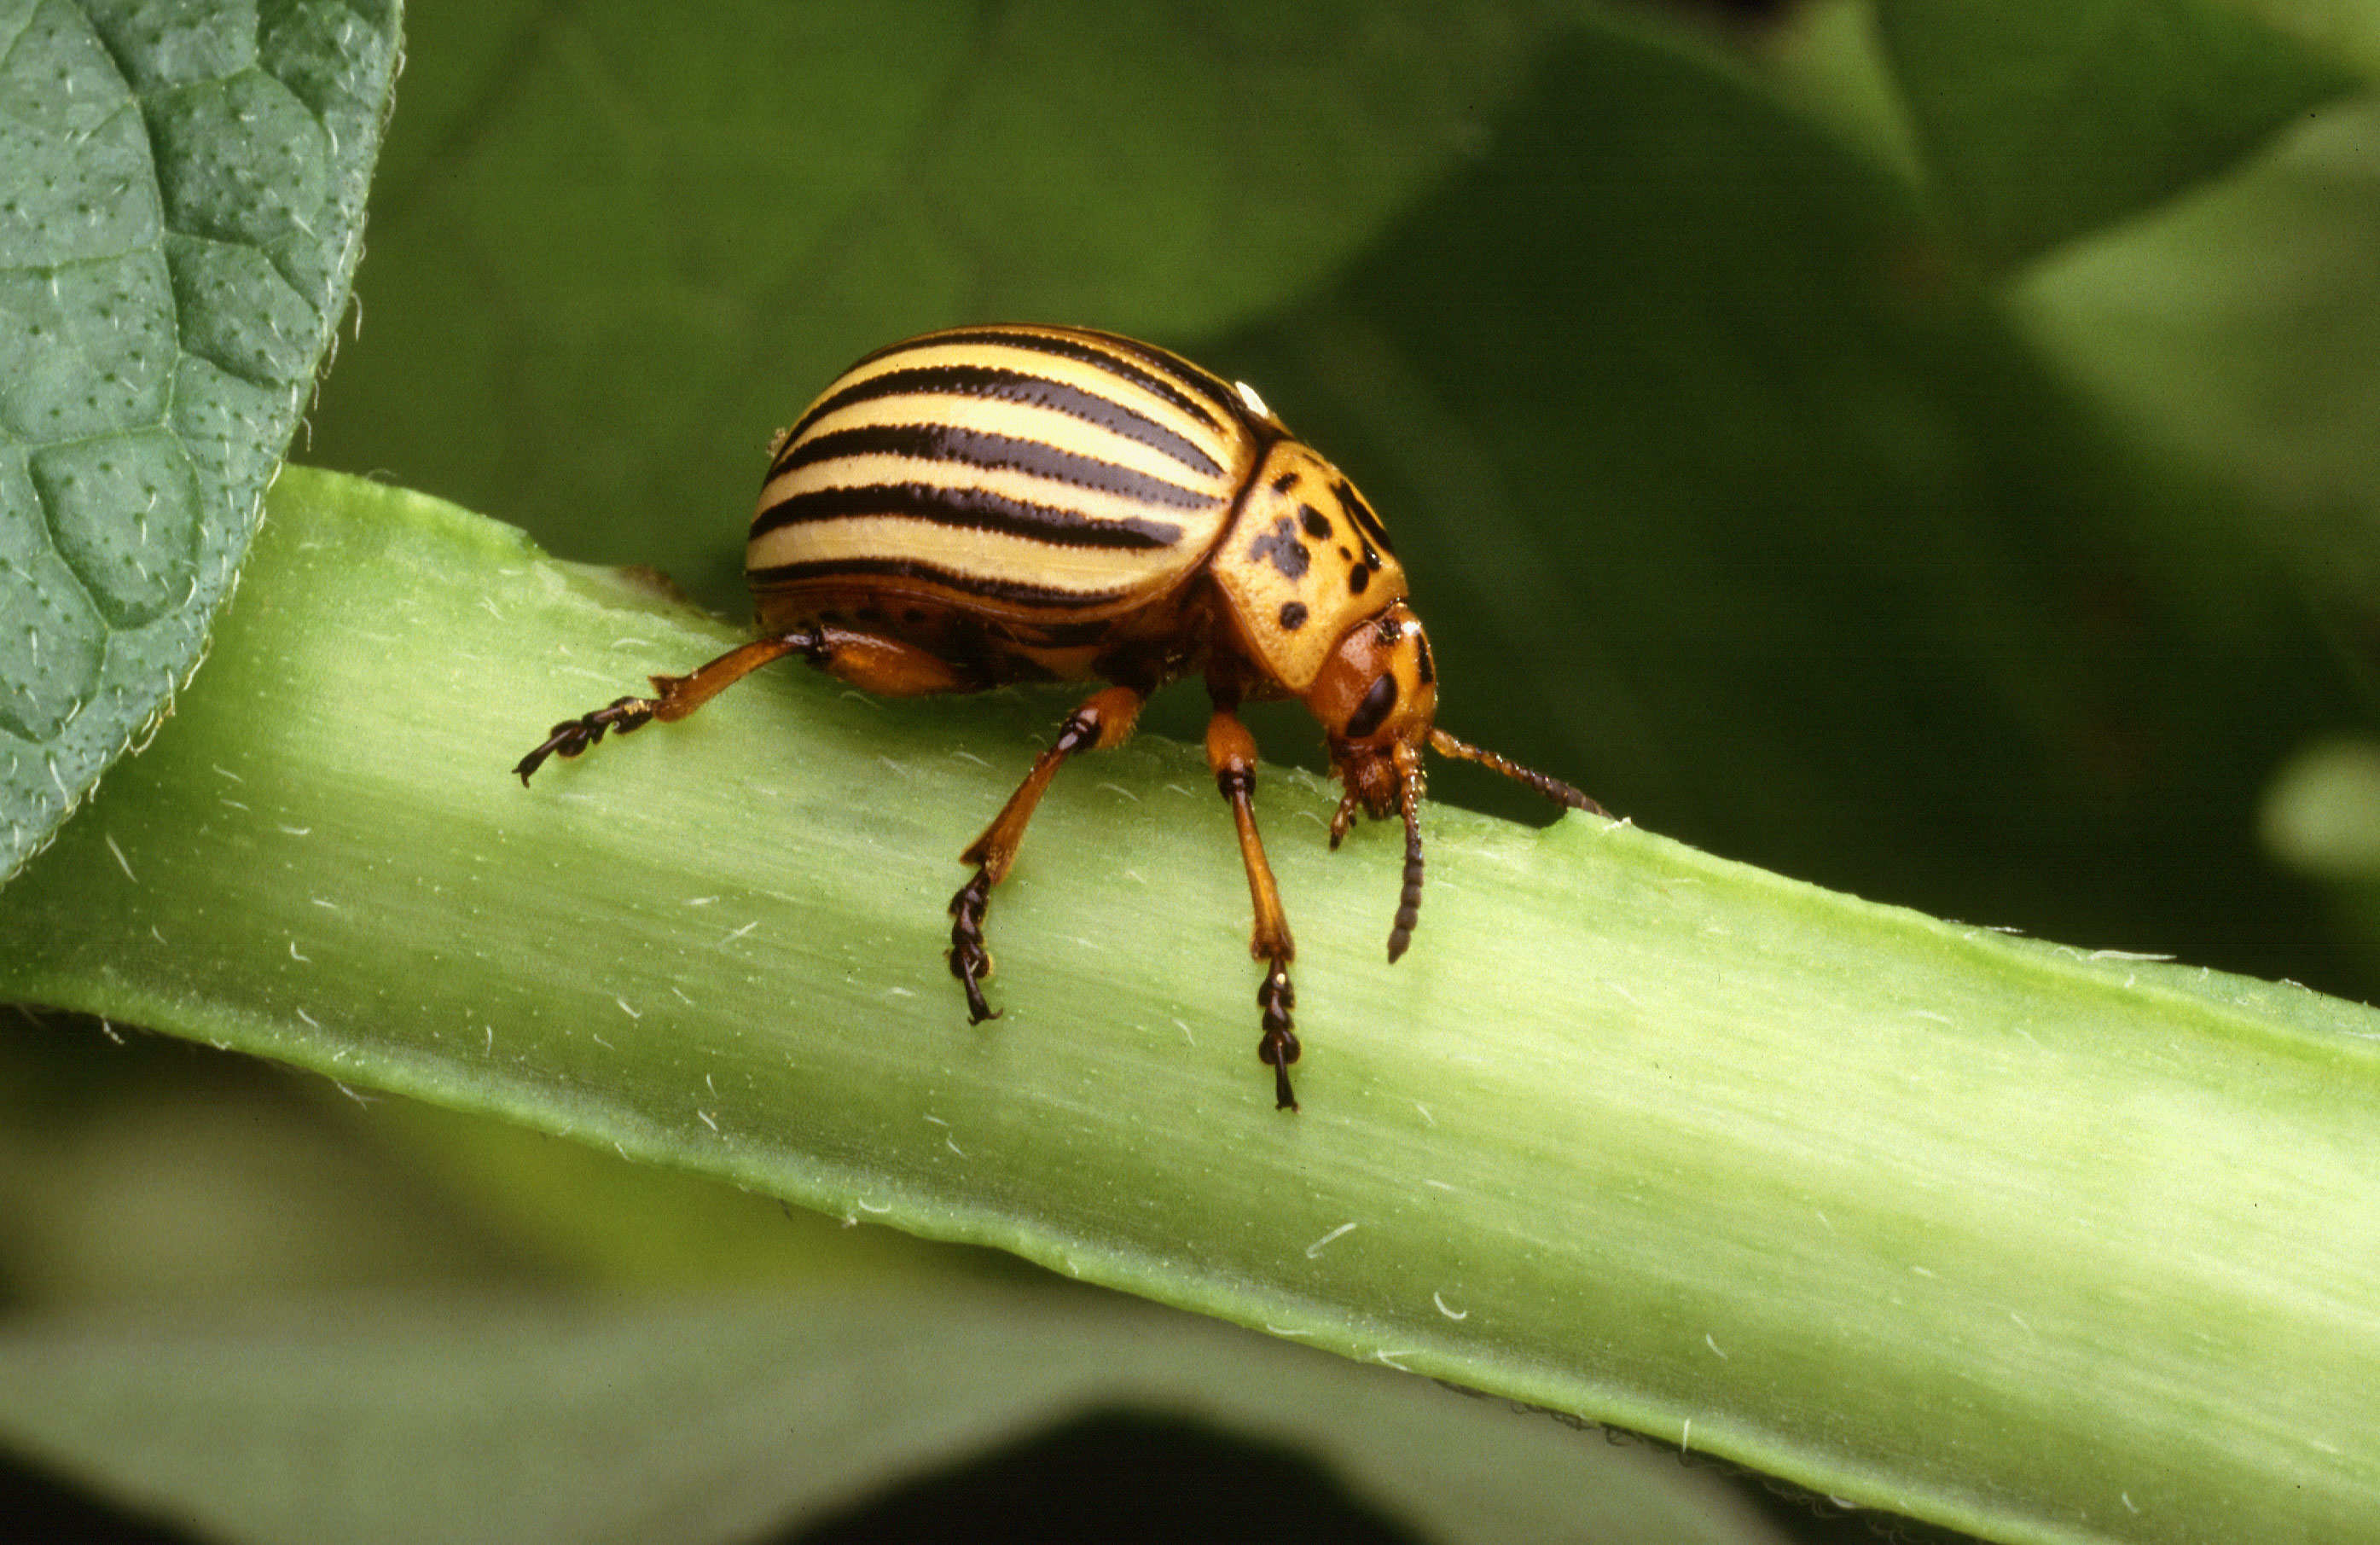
x,y
184,208
2237,333
626,254
482,1323
490,1416
1981,1230
2044,120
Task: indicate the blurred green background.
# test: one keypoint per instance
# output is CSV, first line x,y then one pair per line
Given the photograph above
x,y
1929,449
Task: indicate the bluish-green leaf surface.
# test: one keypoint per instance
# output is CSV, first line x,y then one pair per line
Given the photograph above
x,y
181,209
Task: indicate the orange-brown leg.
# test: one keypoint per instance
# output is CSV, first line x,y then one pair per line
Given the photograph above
x,y
1232,754
1104,720
884,667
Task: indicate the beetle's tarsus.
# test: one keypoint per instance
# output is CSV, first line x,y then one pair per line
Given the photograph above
x,y
970,962
1278,1048
572,737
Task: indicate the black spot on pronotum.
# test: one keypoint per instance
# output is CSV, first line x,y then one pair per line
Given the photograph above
x,y
1317,524
1421,646
1354,503
1293,616
1358,579
1281,546
1374,710
1284,483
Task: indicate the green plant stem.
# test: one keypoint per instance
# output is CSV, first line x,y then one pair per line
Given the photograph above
x,y
1991,1232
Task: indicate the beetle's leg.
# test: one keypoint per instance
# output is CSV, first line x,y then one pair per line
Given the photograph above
x,y
1232,754
887,667
884,667
679,697
1105,720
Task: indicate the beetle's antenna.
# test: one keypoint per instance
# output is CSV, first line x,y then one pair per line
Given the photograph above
x,y
1409,904
1554,789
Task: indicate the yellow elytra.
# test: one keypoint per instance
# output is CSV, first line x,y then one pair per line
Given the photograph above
x,y
1000,504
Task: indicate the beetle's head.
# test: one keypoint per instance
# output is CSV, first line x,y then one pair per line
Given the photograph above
x,y
1376,697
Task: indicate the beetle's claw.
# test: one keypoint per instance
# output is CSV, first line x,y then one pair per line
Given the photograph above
x,y
572,737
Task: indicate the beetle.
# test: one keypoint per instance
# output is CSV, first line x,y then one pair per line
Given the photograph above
x,y
991,505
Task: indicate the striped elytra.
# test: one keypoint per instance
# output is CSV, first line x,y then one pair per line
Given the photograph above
x,y
1000,504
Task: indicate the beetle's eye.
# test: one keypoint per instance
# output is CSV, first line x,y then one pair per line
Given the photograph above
x,y
1374,708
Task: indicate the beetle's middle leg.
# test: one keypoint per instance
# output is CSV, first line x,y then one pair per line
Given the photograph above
x,y
1232,754
1105,720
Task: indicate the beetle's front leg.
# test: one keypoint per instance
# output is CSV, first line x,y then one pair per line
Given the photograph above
x,y
1104,720
1232,754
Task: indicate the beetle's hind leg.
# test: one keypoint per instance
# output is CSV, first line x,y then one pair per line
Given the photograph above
x,y
1105,720
1232,754
885,666
679,697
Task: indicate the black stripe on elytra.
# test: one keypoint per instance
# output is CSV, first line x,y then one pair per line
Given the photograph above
x,y
973,509
1206,384
1006,385
995,453
786,574
1065,348
1363,515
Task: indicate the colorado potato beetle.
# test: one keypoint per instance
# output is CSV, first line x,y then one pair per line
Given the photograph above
x,y
1005,503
